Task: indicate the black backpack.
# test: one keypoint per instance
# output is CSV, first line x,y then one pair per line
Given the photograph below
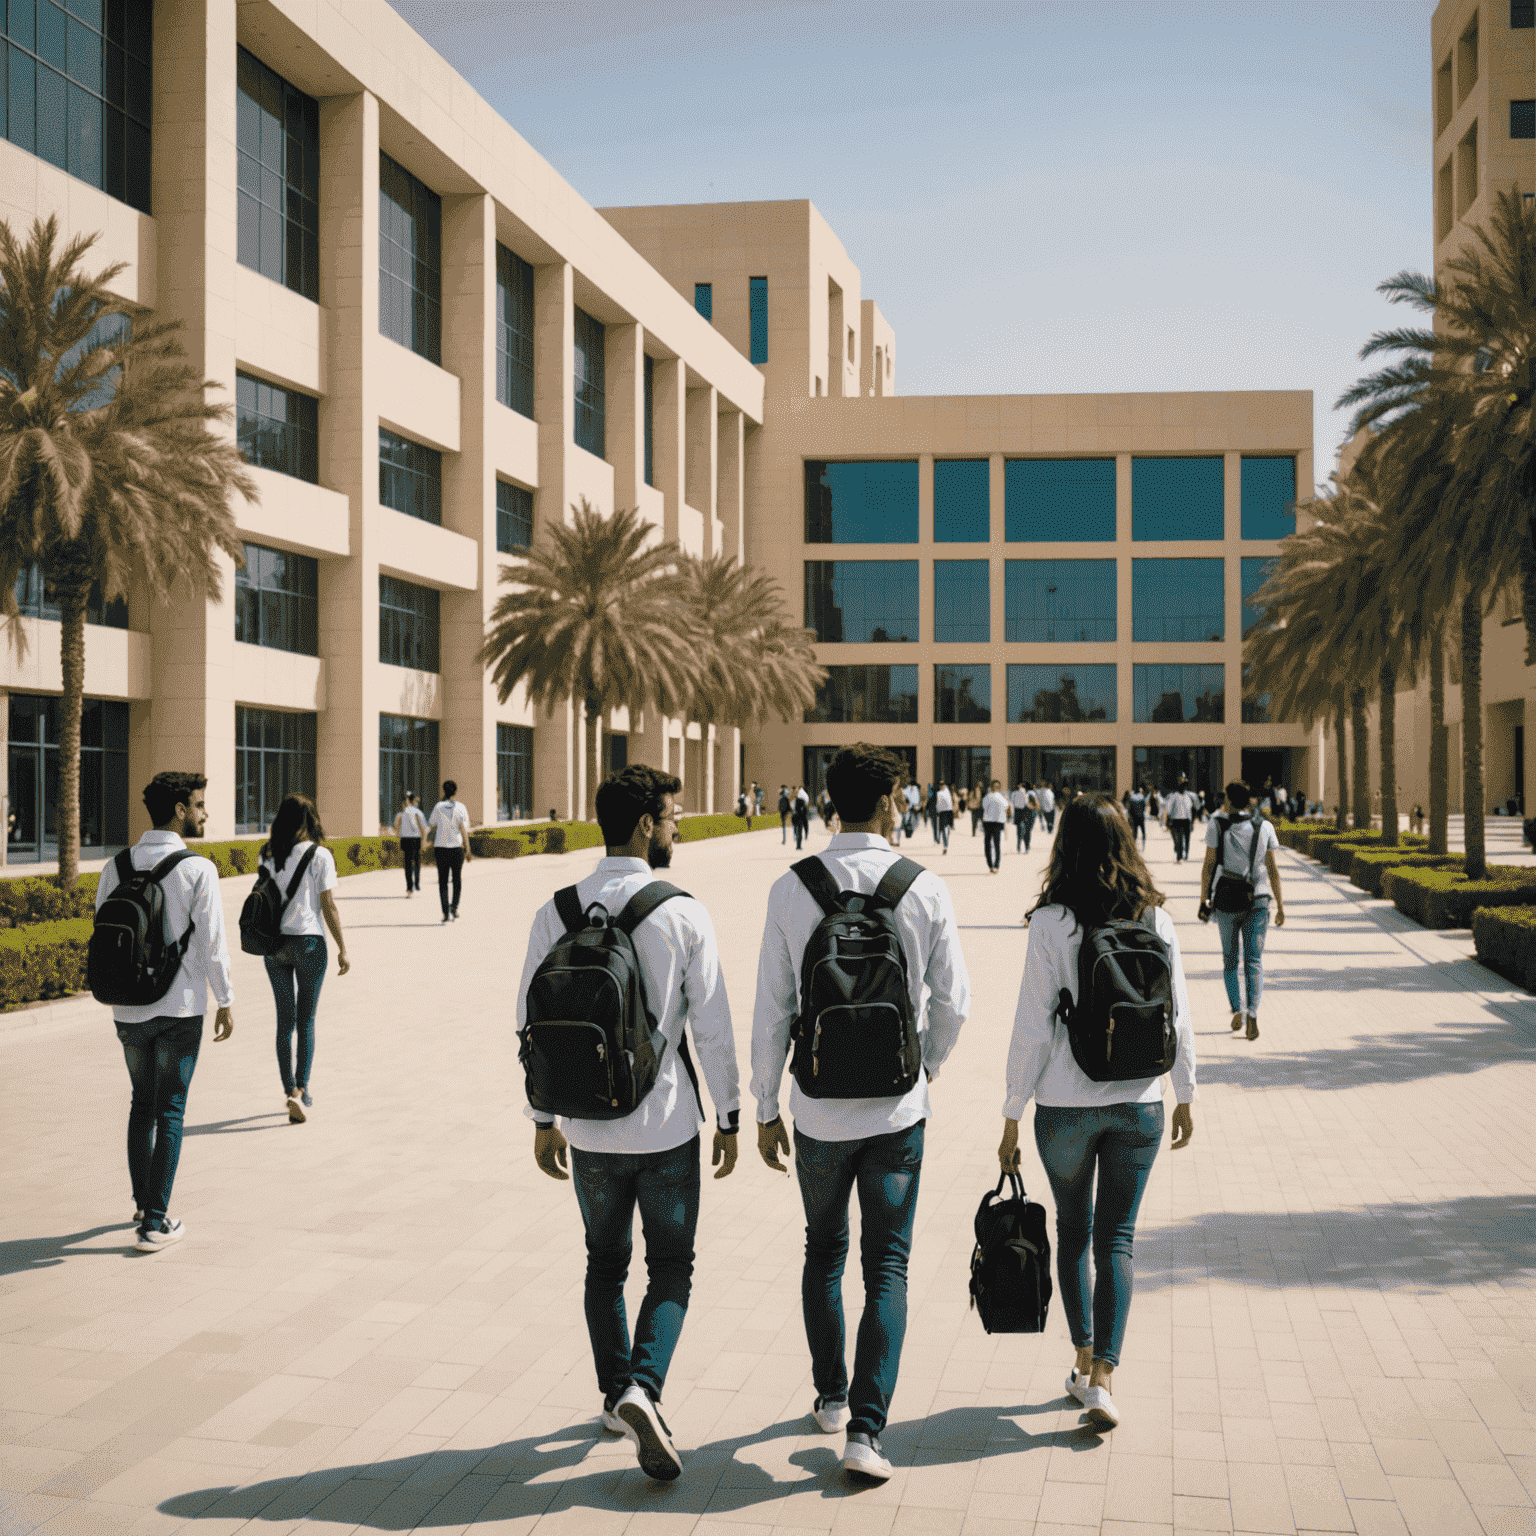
x,y
783,805
129,961
590,1046
1011,1264
856,1034
261,918
1121,1024
1234,894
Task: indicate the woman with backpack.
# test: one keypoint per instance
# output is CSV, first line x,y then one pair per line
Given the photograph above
x,y
297,969
1098,891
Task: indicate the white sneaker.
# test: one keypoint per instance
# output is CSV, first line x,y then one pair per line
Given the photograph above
x,y
1102,1413
138,1218
1077,1385
831,1415
295,1110
162,1236
863,1457
611,1421
653,1440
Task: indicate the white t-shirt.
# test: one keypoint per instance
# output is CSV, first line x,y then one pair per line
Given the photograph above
x,y
449,822
913,795
1239,847
994,807
1019,800
303,914
1180,805
412,822
1047,801
943,801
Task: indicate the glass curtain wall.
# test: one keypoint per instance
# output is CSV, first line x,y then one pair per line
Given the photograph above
x,y
962,602
1059,601
1059,501
277,601
278,429
1177,499
514,332
37,598
1058,695
407,761
33,752
861,502
274,758
879,695
277,140
861,601
1088,770
409,624
410,261
962,695
962,501
590,424
514,772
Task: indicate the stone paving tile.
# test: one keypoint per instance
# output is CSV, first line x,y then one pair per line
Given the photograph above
x,y
375,1322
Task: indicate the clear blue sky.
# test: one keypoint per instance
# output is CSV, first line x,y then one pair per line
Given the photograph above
x,y
1040,196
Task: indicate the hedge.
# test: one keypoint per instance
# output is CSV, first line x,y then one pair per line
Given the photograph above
x,y
1505,938
1445,898
1367,866
1318,844
40,899
44,960
1340,854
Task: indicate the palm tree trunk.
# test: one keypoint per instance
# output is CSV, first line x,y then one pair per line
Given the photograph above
x,y
1388,729
73,597
1528,588
1340,731
1439,750
593,711
1472,734
1360,778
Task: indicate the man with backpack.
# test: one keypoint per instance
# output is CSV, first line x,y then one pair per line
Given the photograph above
x,y
618,965
448,831
156,951
856,921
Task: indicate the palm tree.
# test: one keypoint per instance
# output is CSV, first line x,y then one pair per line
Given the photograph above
x,y
1439,747
108,470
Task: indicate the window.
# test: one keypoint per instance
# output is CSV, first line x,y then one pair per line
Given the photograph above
x,y
1444,99
861,601
650,420
1466,62
1163,767
1466,172
1177,499
1177,600
589,384
1522,119
1256,571
1057,695
33,753
1172,694
278,428
514,331
1269,498
410,477
873,695
814,762
1522,13
407,761
962,602
76,92
410,261
277,136
37,598
274,758
962,695
1088,770
514,772
1256,709
1052,601
1445,202
409,624
861,503
757,316
704,300
962,501
277,601
514,519
962,766
1059,501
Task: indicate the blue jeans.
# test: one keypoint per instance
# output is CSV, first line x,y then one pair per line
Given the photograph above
x,y
161,1055
886,1170
665,1185
1244,930
1121,1140
296,972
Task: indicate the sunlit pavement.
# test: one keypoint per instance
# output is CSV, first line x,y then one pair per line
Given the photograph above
x,y
375,1320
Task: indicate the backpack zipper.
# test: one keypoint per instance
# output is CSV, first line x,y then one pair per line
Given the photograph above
x,y
1109,1040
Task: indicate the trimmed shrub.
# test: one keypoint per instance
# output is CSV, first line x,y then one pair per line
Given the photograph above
x,y
39,899
540,837
1318,844
43,960
696,828
1341,852
1367,866
1445,898
1505,938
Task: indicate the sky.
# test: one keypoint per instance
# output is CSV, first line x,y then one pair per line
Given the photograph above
x,y
1045,196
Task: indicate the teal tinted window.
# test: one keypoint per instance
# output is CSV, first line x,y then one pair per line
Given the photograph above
x,y
704,300
861,601
872,695
757,317
1176,499
1177,600
962,603
861,503
1057,695
1269,496
650,419
1522,119
1256,571
961,501
1050,601
962,695
1059,500
1169,695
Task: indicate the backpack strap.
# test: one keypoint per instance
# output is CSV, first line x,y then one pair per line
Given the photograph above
x,y
299,873
123,863
568,906
160,870
896,881
817,879
643,903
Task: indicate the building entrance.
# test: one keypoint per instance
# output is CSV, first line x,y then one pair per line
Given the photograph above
x,y
1087,770
1267,765
814,761
1162,767
962,766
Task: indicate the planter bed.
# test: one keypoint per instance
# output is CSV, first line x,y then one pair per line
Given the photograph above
x,y
1506,942
1445,898
1368,866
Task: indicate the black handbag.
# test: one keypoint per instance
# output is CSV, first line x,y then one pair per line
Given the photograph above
x,y
1233,894
1011,1265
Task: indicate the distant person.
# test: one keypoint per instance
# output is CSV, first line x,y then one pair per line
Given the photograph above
x,y
973,798
784,809
1136,812
944,805
931,810
410,828
913,796
800,816
448,827
1416,821
1024,806
994,817
1180,807
1047,798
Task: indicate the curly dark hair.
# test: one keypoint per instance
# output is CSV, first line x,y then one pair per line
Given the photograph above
x,y
626,796
858,775
296,814
1095,871
167,790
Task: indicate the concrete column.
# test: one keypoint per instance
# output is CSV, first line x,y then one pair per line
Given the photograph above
x,y
669,438
624,359
730,485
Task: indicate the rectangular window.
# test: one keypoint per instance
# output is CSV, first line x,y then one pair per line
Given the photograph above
x,y
1170,695
590,432
409,624
277,139
962,602
814,762
1088,770
757,316
410,261
410,477
514,519
1049,602
407,763
861,503
1177,600
962,695
1466,171
1522,119
514,772
1060,501
277,601
278,428
1163,767
37,598
1269,498
1256,709
962,766
1522,13
873,695
1257,569
514,332
861,601
962,501
704,300
33,753
1444,99
1177,499
274,758
650,420
1057,695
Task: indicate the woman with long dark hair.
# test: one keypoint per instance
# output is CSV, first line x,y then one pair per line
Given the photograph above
x,y
296,971
1082,1127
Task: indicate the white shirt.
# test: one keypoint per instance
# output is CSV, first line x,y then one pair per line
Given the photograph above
x,y
412,822
449,824
191,892
913,795
925,919
1238,848
680,965
1040,1061
1019,800
303,915
994,807
803,798
1047,800
1180,805
943,801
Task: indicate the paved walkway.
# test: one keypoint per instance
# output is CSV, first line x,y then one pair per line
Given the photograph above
x,y
375,1321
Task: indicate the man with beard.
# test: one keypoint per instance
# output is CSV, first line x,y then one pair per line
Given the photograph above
x,y
650,1157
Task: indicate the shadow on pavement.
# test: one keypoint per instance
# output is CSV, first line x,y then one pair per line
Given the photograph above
x,y
44,1252
235,1127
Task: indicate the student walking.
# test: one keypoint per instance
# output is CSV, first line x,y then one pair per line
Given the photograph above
x,y
1085,1128
1046,797
650,1157
1136,811
801,816
973,799
1181,807
944,807
848,1134
410,828
784,809
161,1039
994,816
295,848
1241,847
448,828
